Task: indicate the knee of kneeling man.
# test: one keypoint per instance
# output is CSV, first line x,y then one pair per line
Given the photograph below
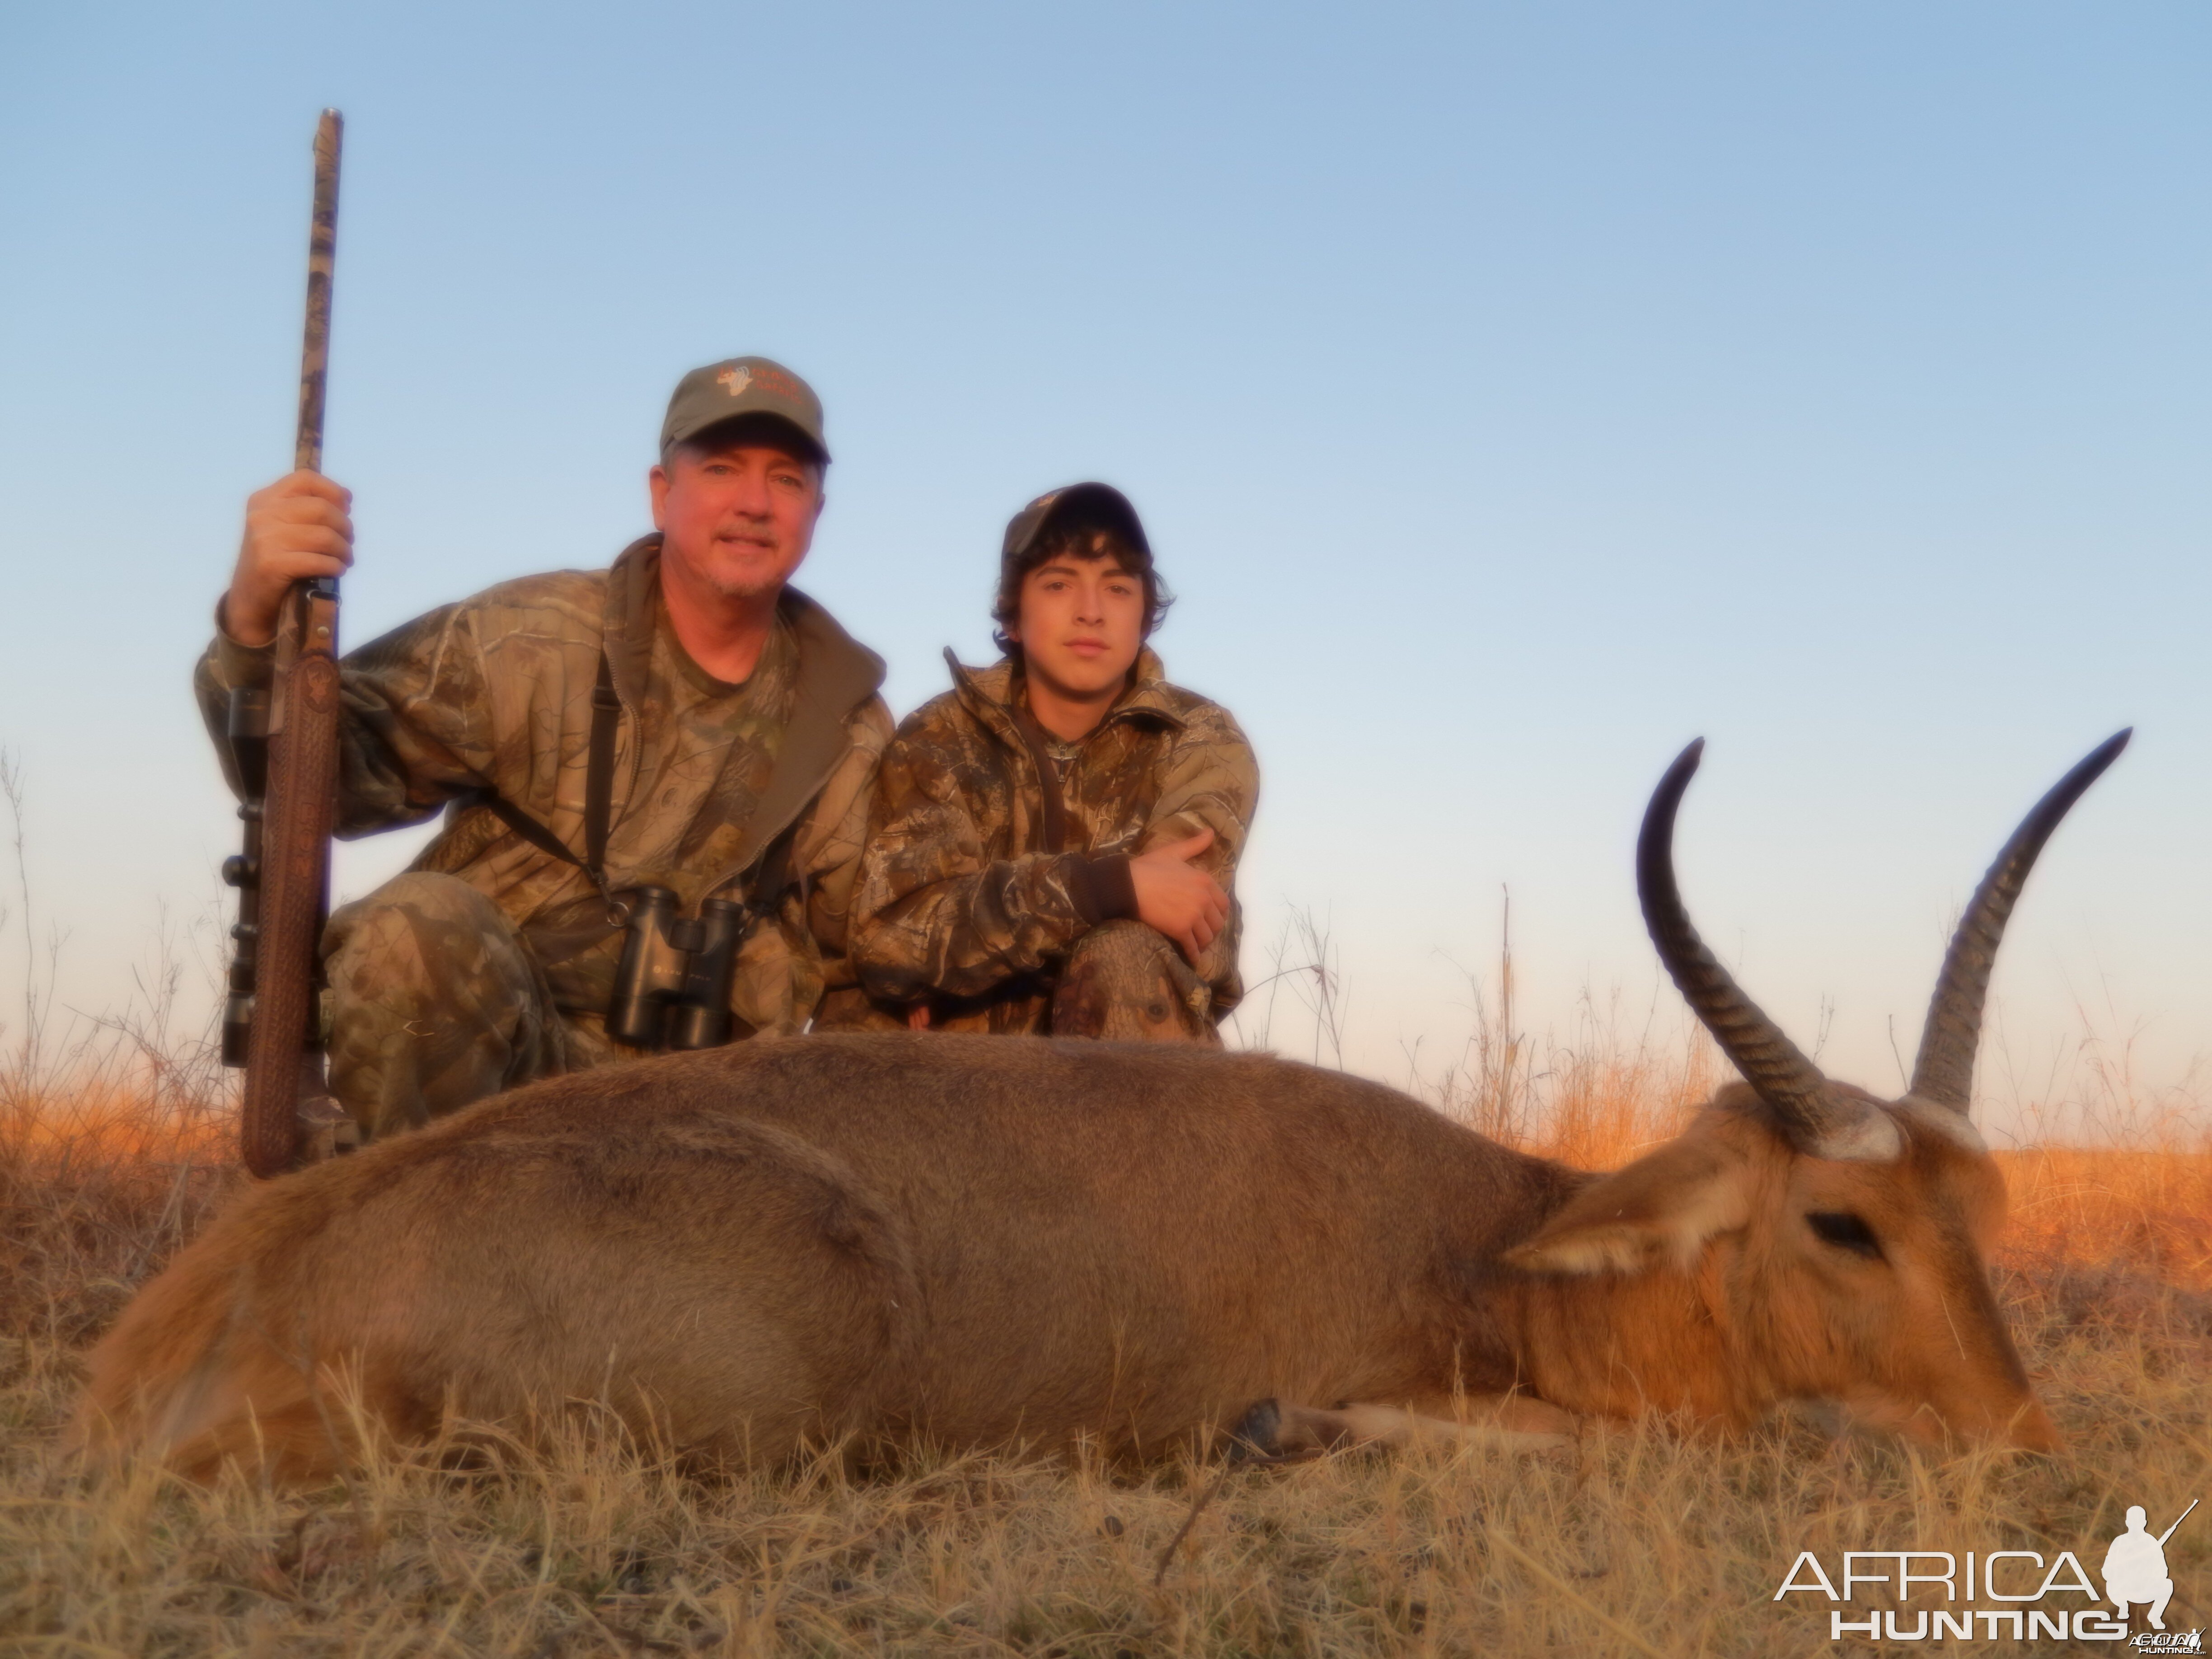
x,y
1124,939
1126,982
415,918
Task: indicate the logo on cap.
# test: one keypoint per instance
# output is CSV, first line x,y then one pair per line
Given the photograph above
x,y
777,384
737,380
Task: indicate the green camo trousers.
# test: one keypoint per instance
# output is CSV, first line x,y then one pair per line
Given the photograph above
x,y
437,1003
1125,983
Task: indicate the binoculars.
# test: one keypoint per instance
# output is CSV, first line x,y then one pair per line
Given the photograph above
x,y
672,984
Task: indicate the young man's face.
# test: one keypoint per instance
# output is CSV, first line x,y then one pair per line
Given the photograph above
x,y
735,518
1081,625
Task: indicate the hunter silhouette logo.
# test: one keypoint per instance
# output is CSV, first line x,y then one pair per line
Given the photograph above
x,y
2134,1566
737,380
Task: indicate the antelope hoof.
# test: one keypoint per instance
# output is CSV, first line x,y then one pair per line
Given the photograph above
x,y
1257,1434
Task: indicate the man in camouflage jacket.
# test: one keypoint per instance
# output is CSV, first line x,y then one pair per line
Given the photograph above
x,y
746,740
1054,842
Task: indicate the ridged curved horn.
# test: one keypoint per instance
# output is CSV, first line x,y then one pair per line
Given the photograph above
x,y
1810,1111
1944,1072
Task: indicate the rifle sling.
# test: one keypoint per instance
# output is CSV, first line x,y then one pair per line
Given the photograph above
x,y
600,773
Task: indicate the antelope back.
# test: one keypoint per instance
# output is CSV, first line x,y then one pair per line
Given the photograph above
x,y
971,1238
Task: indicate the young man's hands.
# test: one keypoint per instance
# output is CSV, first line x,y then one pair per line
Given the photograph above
x,y
296,528
1175,899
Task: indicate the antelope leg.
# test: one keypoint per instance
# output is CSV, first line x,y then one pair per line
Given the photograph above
x,y
1511,1423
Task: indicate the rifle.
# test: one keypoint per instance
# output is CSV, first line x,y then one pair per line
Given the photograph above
x,y
2176,1527
286,743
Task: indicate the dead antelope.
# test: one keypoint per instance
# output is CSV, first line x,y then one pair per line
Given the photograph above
x,y
978,1240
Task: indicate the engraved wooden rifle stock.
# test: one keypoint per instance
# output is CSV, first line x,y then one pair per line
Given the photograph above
x,y
286,743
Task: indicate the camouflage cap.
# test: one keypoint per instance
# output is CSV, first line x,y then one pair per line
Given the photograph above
x,y
742,386
1102,502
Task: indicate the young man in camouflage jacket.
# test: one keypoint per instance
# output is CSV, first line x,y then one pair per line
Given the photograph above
x,y
746,731
1054,841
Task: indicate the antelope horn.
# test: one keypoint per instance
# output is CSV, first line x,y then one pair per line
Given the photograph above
x,y
1944,1072
1816,1117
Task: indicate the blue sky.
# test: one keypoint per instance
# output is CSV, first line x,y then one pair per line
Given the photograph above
x,y
1512,393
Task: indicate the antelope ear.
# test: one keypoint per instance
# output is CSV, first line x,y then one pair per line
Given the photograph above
x,y
1658,1210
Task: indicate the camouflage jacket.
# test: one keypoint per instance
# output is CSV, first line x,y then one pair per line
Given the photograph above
x,y
980,871
496,693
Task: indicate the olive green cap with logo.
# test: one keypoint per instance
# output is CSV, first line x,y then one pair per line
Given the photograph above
x,y
742,386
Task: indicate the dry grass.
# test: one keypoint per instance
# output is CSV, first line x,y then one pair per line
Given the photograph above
x,y
1640,1541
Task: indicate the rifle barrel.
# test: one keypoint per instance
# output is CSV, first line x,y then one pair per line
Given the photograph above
x,y
2177,1520
322,260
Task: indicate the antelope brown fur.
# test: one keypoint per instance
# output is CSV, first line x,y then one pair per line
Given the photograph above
x,y
977,1240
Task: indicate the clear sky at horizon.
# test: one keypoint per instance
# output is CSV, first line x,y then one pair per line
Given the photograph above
x,y
1512,393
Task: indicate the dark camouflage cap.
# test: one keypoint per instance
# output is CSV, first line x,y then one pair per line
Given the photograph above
x,y
742,386
1101,503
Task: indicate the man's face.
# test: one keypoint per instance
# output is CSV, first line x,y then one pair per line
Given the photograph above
x,y
735,519
1082,624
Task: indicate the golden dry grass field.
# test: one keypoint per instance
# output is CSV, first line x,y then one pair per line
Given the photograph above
x,y
1640,1540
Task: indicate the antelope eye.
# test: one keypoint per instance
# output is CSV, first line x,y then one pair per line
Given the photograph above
x,y
1845,1231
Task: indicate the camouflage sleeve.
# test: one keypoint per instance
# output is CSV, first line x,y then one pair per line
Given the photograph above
x,y
414,727
936,913
828,852
1210,779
